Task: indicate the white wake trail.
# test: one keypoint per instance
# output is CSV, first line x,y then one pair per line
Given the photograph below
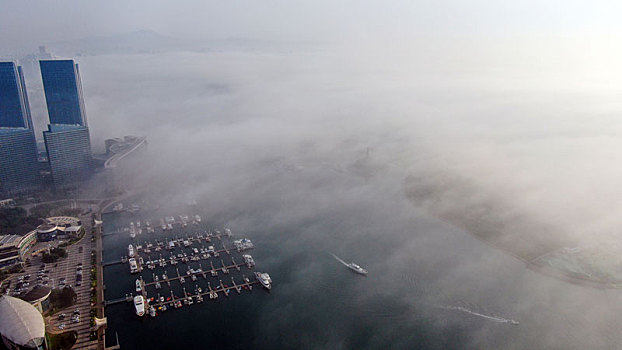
x,y
341,261
492,318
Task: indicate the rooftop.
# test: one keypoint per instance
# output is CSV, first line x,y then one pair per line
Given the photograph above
x,y
36,293
20,322
8,241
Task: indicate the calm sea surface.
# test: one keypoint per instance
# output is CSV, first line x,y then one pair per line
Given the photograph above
x,y
430,286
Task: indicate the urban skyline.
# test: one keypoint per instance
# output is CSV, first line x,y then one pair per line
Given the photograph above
x,y
67,138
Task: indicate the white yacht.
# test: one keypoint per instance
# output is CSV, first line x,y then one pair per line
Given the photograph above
x,y
133,265
152,311
264,279
354,267
139,305
197,218
138,288
248,260
130,251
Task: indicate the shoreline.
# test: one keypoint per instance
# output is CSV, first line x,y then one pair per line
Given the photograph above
x,y
536,267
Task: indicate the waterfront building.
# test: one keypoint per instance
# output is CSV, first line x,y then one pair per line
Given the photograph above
x,y
69,154
19,169
14,248
46,232
63,92
67,227
21,325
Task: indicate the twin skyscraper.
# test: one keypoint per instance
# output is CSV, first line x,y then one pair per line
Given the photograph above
x,y
67,139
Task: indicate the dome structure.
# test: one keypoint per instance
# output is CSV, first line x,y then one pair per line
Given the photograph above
x,y
21,323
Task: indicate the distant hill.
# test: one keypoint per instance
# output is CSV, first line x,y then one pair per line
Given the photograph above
x,y
149,41
142,41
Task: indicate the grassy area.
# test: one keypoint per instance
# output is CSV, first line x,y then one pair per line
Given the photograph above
x,y
15,221
62,341
62,298
54,255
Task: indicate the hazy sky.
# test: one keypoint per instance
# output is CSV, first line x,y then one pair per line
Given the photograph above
x,y
41,21
510,105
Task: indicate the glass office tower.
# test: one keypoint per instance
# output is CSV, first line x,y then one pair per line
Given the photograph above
x,y
19,168
69,154
63,92
14,108
67,139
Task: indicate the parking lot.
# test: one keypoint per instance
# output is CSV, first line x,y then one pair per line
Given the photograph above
x,y
74,271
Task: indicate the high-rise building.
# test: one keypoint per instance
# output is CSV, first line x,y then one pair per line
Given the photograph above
x,y
19,169
14,108
69,154
67,139
63,92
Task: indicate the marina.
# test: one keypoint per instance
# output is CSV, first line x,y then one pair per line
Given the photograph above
x,y
184,269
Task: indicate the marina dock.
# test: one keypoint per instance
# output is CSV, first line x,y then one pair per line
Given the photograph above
x,y
190,250
221,289
201,273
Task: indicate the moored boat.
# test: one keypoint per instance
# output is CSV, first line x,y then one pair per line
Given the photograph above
x,y
139,305
264,279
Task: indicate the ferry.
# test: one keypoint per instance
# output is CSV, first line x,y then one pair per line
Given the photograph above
x,y
138,288
354,267
264,279
139,305
130,251
248,260
133,265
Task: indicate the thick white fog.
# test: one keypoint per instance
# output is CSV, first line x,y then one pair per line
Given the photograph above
x,y
408,125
